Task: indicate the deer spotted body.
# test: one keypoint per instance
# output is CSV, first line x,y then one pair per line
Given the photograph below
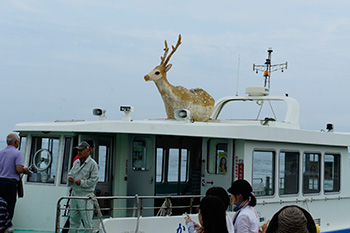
x,y
198,101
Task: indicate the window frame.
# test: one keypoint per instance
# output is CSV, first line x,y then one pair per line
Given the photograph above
x,y
273,172
55,159
298,179
338,155
303,171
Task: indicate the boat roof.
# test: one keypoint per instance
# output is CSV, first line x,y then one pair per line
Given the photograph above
x,y
212,129
268,129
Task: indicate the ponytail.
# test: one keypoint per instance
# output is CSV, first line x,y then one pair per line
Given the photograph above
x,y
252,201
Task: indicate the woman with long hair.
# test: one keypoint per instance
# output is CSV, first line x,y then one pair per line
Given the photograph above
x,y
211,215
246,219
221,193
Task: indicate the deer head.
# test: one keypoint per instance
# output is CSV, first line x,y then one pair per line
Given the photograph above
x,y
160,71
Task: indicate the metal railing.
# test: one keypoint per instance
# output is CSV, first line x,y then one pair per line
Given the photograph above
x,y
137,209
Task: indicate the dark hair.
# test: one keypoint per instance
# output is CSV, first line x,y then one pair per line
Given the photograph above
x,y
213,215
91,143
294,218
220,193
245,189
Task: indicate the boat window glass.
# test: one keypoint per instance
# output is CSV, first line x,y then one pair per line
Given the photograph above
x,y
177,161
22,145
43,159
311,173
289,173
160,156
184,164
139,155
263,172
332,173
66,159
217,157
102,156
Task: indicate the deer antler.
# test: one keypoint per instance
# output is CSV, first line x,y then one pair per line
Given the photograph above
x,y
166,49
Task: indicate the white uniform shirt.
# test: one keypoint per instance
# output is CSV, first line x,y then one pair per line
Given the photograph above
x,y
247,221
229,224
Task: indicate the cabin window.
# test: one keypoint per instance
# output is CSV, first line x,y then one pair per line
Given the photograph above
x,y
139,155
289,173
172,165
22,145
311,173
43,159
102,162
217,157
66,158
160,156
263,172
178,164
332,173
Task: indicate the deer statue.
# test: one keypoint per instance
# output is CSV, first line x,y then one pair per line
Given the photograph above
x,y
197,101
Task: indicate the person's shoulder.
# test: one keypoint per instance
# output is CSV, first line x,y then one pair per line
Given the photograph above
x,y
91,160
247,211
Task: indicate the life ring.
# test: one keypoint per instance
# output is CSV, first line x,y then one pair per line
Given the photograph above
x,y
42,160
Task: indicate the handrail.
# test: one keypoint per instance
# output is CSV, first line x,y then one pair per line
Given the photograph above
x,y
138,206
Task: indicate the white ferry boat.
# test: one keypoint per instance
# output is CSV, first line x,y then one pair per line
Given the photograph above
x,y
145,162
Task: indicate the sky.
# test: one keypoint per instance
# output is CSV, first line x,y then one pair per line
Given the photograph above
x,y
61,59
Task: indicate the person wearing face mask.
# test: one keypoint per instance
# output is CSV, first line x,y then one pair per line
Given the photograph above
x,y
246,219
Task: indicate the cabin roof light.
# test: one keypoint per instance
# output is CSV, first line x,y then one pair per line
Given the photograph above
x,y
127,109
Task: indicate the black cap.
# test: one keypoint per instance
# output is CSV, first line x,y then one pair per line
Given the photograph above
x,y
240,187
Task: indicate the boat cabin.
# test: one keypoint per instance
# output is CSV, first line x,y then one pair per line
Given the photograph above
x,y
160,158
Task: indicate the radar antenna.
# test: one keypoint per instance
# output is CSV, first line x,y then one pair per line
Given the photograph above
x,y
267,68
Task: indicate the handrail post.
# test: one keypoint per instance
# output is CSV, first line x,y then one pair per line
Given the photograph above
x,y
135,206
191,204
138,213
141,206
58,212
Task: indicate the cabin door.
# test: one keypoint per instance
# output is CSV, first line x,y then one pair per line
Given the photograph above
x,y
178,169
141,170
103,156
217,161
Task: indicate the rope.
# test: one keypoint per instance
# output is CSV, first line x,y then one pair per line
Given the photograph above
x,y
166,208
98,209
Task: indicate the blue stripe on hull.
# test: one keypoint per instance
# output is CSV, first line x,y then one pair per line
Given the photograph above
x,y
347,230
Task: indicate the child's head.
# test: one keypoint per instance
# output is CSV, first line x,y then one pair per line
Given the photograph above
x,y
220,193
212,215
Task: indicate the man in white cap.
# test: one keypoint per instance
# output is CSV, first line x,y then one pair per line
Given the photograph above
x,y
83,178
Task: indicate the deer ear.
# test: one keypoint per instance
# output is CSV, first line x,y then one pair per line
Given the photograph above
x,y
168,67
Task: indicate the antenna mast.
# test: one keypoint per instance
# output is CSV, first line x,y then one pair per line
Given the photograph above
x,y
267,68
239,59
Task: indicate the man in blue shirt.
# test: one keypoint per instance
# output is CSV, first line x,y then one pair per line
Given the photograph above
x,y
11,166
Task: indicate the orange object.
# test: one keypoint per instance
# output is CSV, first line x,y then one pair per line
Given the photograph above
x,y
266,73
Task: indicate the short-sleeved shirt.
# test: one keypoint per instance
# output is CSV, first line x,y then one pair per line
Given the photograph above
x,y
10,157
